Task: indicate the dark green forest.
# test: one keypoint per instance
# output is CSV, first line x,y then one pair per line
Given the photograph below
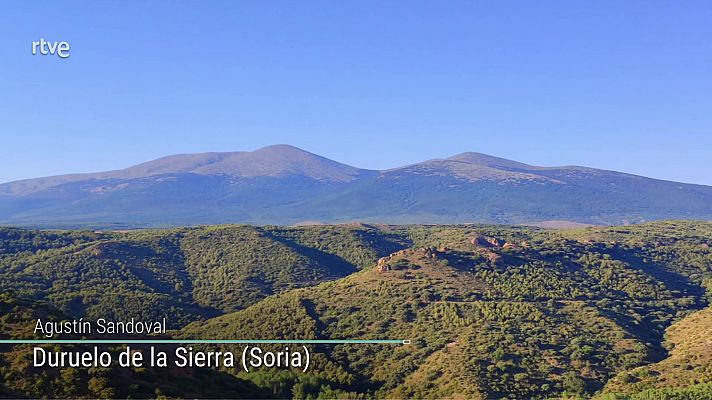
x,y
492,311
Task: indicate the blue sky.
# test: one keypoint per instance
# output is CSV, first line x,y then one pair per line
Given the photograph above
x,y
608,84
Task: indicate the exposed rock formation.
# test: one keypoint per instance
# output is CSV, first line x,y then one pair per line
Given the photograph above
x,y
486,241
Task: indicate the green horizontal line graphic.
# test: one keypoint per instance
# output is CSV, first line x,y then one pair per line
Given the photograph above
x,y
209,341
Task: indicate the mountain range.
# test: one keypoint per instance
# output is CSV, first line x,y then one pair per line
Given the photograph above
x,y
284,185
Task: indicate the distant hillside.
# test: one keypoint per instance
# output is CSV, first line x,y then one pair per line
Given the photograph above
x,y
284,185
272,161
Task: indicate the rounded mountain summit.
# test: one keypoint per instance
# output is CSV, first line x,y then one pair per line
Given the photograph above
x,y
282,185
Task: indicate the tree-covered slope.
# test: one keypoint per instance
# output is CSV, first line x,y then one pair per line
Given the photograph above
x,y
186,274
492,312
688,367
20,379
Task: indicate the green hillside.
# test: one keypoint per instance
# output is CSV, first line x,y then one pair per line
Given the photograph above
x,y
520,313
687,369
187,274
492,311
19,379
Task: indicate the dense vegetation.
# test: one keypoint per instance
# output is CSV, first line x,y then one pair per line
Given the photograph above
x,y
492,312
688,365
186,274
18,378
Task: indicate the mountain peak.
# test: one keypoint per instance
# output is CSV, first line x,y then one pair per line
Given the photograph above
x,y
284,184
488,161
281,148
280,160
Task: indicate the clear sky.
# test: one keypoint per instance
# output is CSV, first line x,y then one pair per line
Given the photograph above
x,y
623,85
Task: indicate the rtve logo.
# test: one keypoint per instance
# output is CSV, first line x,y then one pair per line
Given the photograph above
x,y
61,49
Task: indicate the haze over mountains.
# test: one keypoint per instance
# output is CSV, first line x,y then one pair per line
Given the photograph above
x,y
285,185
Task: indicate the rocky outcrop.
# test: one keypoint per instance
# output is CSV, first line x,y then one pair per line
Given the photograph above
x,y
493,257
411,255
382,265
486,241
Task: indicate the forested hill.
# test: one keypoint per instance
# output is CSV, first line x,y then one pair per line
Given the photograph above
x,y
186,273
19,379
493,311
498,312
